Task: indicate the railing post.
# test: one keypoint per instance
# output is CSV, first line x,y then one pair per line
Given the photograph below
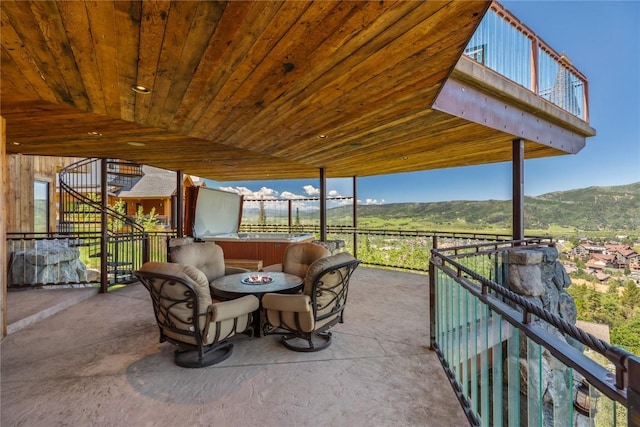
x,y
633,392
432,304
145,247
432,296
534,65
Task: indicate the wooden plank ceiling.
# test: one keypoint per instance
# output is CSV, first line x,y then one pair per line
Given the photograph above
x,y
242,90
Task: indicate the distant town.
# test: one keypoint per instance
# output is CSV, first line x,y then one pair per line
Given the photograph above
x,y
602,260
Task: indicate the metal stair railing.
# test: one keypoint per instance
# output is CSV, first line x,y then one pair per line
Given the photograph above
x,y
122,245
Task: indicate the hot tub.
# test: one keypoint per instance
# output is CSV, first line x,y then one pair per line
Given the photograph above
x,y
280,237
217,219
268,247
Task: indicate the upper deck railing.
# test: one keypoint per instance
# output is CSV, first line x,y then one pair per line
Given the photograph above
x,y
507,46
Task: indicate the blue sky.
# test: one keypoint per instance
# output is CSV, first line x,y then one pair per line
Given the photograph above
x,y
602,39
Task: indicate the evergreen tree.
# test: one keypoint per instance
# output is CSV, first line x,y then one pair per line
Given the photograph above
x,y
628,335
630,298
148,223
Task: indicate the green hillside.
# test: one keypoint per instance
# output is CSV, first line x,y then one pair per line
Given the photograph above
x,y
586,209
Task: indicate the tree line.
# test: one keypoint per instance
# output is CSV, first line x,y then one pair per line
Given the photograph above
x,y
619,310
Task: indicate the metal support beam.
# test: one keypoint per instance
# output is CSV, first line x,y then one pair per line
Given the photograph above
x,y
517,198
355,217
104,239
180,204
323,204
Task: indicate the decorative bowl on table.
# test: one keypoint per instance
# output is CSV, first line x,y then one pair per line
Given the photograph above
x,y
257,280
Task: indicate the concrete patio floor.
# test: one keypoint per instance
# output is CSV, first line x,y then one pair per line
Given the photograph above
x,y
99,363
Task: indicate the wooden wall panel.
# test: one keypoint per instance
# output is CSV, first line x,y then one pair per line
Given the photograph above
x,y
22,171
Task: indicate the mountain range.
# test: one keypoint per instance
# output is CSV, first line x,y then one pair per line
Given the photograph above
x,y
615,208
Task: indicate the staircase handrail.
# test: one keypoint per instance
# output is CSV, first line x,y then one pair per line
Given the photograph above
x,y
84,199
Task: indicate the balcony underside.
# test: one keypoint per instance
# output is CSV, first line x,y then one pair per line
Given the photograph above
x,y
275,90
99,363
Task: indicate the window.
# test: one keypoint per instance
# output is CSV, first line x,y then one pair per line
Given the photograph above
x,y
40,206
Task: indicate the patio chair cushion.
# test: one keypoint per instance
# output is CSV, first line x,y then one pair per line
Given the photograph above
x,y
182,312
298,257
217,321
308,316
282,310
206,257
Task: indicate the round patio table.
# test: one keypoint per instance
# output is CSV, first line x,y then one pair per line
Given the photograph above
x,y
238,285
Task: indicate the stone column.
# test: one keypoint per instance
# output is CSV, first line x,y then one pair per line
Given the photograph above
x,y
539,277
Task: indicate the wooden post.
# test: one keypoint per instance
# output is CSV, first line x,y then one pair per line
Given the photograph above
x,y
3,226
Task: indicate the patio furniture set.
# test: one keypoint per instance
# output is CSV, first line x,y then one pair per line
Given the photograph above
x,y
200,303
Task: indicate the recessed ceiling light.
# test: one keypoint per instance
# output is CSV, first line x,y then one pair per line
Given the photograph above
x,y
15,143
94,133
322,136
136,143
405,157
140,89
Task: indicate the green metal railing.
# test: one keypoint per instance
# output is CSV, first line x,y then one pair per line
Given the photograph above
x,y
510,361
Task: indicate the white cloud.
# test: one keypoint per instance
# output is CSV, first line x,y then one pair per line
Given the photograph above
x,y
266,193
340,202
263,193
303,206
290,195
311,190
373,202
229,189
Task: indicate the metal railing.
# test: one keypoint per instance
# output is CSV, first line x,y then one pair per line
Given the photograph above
x,y
507,46
64,259
400,249
120,246
511,361
50,259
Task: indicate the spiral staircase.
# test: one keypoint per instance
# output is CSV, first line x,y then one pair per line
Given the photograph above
x,y
109,240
